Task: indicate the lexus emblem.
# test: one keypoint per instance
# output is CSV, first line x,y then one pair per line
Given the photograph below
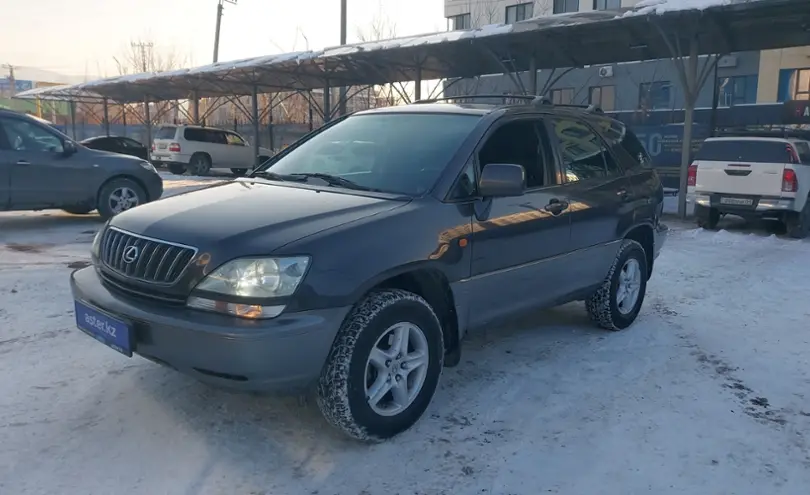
x,y
130,254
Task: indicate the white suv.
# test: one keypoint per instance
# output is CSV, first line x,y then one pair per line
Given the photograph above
x,y
752,177
200,149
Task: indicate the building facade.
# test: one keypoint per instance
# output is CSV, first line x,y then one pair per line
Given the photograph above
x,y
769,76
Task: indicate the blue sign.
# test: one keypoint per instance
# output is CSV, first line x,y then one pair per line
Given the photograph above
x,y
19,85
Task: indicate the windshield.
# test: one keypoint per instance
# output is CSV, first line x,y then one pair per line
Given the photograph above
x,y
401,153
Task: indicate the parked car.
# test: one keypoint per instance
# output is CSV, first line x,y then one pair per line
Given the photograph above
x,y
118,144
198,150
41,168
752,177
363,284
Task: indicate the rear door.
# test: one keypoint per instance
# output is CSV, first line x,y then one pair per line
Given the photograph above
x,y
601,198
745,167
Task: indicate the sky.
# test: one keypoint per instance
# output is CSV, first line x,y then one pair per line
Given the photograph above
x,y
81,37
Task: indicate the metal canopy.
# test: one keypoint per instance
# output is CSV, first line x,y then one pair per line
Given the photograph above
x,y
649,31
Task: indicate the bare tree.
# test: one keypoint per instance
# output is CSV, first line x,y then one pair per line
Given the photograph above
x,y
382,28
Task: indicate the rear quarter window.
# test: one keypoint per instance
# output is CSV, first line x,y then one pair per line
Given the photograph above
x,y
803,149
635,149
746,151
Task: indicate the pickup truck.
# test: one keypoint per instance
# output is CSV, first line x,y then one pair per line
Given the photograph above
x,y
752,177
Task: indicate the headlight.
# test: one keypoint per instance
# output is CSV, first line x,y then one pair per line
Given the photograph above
x,y
251,278
148,166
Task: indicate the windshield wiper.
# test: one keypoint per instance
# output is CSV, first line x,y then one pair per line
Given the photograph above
x,y
266,174
334,180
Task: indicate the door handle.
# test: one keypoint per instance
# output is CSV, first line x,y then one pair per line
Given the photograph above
x,y
23,163
556,206
623,194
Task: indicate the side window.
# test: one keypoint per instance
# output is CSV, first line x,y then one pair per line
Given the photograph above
x,y
21,135
635,149
234,140
194,134
583,151
214,136
466,186
522,142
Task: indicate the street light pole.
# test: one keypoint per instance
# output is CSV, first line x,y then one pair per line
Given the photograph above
x,y
343,89
220,8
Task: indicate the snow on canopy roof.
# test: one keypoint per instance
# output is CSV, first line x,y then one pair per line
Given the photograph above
x,y
563,40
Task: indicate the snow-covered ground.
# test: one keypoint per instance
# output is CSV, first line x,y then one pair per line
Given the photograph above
x,y
709,393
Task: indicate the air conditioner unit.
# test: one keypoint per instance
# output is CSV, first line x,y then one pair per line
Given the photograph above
x,y
606,71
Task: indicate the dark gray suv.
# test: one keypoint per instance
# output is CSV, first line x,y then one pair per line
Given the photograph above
x,y
41,168
357,259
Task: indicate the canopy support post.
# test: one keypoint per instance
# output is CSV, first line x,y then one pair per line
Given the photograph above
x,y
327,103
195,108
255,117
107,117
72,105
417,90
147,120
533,75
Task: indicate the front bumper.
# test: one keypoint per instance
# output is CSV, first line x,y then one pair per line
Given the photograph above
x,y
154,186
284,354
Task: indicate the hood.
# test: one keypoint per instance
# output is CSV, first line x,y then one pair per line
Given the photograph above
x,y
245,217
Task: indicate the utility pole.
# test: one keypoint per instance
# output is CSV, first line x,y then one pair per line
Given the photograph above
x,y
343,90
220,8
144,59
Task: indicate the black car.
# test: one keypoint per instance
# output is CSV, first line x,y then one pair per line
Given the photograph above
x,y
361,276
117,144
41,168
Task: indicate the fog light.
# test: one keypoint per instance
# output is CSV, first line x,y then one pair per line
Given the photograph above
x,y
248,311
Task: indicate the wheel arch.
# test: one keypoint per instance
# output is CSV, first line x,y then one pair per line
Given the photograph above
x,y
433,286
644,235
127,177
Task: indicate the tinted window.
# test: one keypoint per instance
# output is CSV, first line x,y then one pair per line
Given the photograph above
x,y
634,148
521,143
215,136
746,151
234,139
401,153
130,143
191,134
22,135
583,152
166,133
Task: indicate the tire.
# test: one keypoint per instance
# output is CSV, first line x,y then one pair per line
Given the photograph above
x,y
797,225
348,371
239,172
200,164
707,218
78,210
177,168
127,189
603,306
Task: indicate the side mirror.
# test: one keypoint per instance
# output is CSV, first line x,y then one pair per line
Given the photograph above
x,y
68,148
500,180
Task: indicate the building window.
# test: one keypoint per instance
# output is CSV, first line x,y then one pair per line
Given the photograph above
x,y
736,90
520,12
654,95
459,22
562,6
800,84
604,97
607,4
562,96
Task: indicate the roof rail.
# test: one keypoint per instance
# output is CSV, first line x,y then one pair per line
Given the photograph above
x,y
476,97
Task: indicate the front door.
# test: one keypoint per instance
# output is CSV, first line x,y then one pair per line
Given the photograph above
x,y
601,198
40,175
515,240
5,172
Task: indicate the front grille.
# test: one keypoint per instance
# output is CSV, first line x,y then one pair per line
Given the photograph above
x,y
143,258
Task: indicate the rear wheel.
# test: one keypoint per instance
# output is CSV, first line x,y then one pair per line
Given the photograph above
x,y
798,224
707,218
618,301
177,168
119,195
384,366
200,164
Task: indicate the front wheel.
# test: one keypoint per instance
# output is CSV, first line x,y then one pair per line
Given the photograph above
x,y
384,366
119,195
616,304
